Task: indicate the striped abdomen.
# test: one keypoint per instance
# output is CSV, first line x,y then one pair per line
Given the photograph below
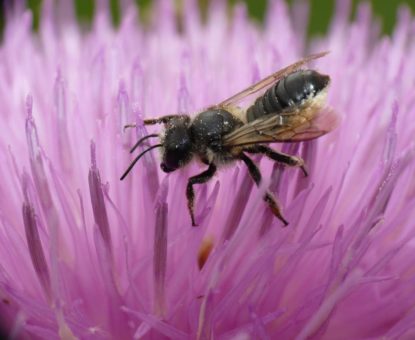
x,y
288,93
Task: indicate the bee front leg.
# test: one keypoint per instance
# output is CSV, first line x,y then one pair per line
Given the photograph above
x,y
159,120
279,156
128,126
268,197
198,179
165,119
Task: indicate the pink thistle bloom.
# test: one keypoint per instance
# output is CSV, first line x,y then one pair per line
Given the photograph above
x,y
84,255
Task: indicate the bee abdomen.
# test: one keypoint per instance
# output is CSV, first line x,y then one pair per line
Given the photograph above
x,y
288,93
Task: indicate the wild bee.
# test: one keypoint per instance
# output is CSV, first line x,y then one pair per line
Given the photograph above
x,y
287,106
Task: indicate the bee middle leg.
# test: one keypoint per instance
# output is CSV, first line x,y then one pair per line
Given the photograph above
x,y
203,177
268,197
278,156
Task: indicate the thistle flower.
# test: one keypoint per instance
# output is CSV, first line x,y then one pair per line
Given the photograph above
x,y
84,255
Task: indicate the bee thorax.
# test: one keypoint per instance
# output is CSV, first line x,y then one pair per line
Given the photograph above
x,y
207,131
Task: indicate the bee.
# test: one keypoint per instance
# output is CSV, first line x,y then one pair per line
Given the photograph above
x,y
287,106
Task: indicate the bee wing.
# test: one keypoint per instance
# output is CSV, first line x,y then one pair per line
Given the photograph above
x,y
265,83
300,125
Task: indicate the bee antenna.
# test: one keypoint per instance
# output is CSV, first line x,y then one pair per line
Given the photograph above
x,y
141,140
137,158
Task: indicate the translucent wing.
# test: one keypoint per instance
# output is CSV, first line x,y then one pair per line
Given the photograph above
x,y
296,126
265,83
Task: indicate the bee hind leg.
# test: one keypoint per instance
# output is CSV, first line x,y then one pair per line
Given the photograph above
x,y
279,156
203,177
268,197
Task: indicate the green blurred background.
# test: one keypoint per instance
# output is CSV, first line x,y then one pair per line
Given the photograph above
x,y
321,11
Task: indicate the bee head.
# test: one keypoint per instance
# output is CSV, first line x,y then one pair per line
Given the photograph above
x,y
177,145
